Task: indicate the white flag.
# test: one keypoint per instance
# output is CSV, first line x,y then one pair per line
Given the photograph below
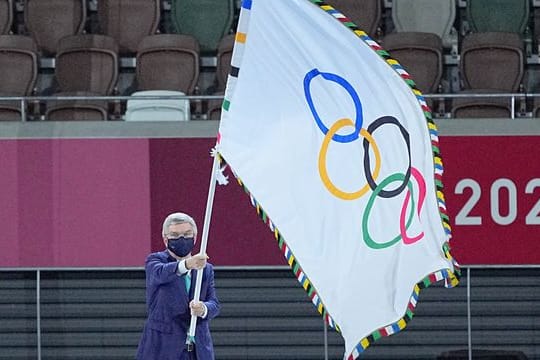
x,y
338,152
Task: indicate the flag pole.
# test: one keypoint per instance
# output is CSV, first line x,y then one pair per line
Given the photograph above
x,y
204,240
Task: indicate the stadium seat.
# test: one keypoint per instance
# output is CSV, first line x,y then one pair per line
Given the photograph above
x,y
49,21
430,16
498,15
490,63
157,109
224,56
223,69
128,21
6,16
168,62
77,110
86,65
536,108
207,20
18,72
364,14
420,54
488,107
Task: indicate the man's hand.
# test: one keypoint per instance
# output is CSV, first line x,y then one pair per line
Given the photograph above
x,y
196,262
197,308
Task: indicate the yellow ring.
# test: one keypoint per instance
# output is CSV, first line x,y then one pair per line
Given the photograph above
x,y
322,161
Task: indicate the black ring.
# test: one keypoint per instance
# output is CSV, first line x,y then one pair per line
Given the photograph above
x,y
367,168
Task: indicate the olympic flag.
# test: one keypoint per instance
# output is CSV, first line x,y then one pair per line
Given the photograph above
x,y
338,152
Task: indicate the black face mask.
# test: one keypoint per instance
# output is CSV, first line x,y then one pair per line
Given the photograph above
x,y
181,246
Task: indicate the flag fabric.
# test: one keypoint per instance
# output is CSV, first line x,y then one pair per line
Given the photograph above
x,y
338,153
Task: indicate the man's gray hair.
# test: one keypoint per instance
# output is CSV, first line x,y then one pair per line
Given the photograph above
x,y
178,218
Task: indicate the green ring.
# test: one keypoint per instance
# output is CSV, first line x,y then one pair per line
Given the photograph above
x,y
367,238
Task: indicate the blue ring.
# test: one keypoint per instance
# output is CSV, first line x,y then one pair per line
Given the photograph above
x,y
347,86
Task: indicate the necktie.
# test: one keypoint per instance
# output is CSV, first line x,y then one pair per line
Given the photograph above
x,y
187,279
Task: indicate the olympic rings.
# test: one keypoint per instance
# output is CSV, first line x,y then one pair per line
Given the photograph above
x,y
378,189
322,161
354,96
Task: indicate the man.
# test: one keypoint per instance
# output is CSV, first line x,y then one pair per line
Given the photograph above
x,y
170,283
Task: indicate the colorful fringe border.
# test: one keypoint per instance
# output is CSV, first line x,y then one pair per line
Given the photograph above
x,y
451,278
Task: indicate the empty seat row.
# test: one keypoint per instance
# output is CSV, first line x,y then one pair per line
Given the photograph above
x,y
500,54
491,54
127,21
18,71
489,63
209,20
438,17
87,66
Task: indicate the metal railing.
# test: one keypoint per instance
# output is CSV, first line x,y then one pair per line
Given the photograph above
x,y
466,269
25,100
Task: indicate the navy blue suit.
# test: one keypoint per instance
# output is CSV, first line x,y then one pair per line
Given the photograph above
x,y
169,316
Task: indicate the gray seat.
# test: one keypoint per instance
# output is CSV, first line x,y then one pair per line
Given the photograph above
x,y
18,71
128,21
365,14
162,109
86,65
430,16
6,16
490,63
49,21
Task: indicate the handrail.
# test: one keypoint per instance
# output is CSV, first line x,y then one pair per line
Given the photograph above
x,y
117,98
220,97
111,97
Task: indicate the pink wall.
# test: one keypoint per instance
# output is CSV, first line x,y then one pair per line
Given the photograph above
x,y
101,202
9,204
74,202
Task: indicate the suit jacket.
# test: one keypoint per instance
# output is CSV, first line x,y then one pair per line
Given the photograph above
x,y
169,316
